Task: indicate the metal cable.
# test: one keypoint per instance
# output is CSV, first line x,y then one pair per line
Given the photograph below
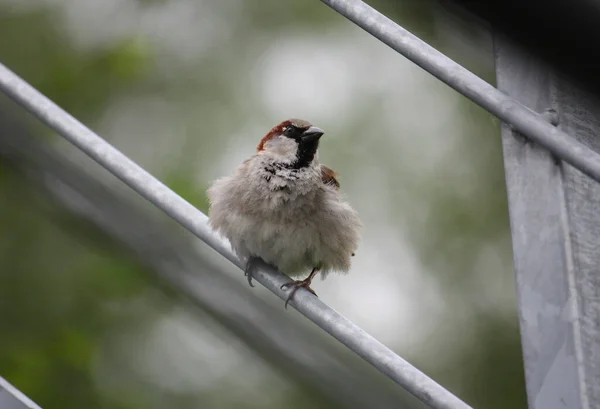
x,y
533,125
12,398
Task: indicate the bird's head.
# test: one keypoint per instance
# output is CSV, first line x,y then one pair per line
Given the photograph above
x,y
293,141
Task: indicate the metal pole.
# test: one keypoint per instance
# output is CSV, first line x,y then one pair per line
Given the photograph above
x,y
12,398
462,80
381,357
553,211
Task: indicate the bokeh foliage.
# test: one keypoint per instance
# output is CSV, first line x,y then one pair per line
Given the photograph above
x,y
71,296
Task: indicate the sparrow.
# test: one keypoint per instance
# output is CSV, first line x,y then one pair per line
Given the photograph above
x,y
283,206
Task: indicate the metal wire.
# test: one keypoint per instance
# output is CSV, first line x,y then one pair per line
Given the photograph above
x,y
12,398
529,123
384,359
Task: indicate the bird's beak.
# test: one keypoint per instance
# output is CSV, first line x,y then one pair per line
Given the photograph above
x,y
312,134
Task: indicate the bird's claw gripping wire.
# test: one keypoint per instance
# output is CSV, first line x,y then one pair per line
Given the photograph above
x,y
296,283
299,284
248,269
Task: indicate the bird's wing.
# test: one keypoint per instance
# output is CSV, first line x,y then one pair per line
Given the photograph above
x,y
329,177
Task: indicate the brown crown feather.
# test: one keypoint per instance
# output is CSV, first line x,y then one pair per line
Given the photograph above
x,y
278,130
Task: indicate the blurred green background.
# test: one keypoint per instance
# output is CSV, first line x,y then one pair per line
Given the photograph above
x,y
89,315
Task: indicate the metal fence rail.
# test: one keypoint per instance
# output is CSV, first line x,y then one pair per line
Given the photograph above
x,y
533,125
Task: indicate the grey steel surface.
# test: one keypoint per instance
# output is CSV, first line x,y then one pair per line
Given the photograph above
x,y
12,398
555,223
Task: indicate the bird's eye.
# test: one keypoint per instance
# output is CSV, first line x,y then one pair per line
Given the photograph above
x,y
290,130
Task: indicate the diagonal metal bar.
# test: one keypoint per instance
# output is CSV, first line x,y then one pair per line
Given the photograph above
x,y
306,357
12,398
348,333
509,110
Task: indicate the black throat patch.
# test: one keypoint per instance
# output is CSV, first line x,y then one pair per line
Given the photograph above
x,y
305,154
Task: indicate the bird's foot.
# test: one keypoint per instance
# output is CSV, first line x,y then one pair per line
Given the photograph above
x,y
297,284
248,269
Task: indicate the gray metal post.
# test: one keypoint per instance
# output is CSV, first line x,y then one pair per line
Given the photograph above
x,y
555,223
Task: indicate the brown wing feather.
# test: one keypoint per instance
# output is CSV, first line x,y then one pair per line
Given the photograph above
x,y
329,177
